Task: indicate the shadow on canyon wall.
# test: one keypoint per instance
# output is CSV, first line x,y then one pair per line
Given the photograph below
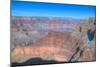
x,y
34,61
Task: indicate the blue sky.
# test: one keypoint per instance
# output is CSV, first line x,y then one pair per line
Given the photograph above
x,y
52,10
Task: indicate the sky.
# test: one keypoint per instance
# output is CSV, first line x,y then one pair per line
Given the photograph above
x,y
20,8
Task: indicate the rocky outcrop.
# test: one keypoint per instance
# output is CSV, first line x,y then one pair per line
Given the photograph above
x,y
29,41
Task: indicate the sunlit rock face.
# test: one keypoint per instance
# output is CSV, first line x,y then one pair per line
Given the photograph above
x,y
61,40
